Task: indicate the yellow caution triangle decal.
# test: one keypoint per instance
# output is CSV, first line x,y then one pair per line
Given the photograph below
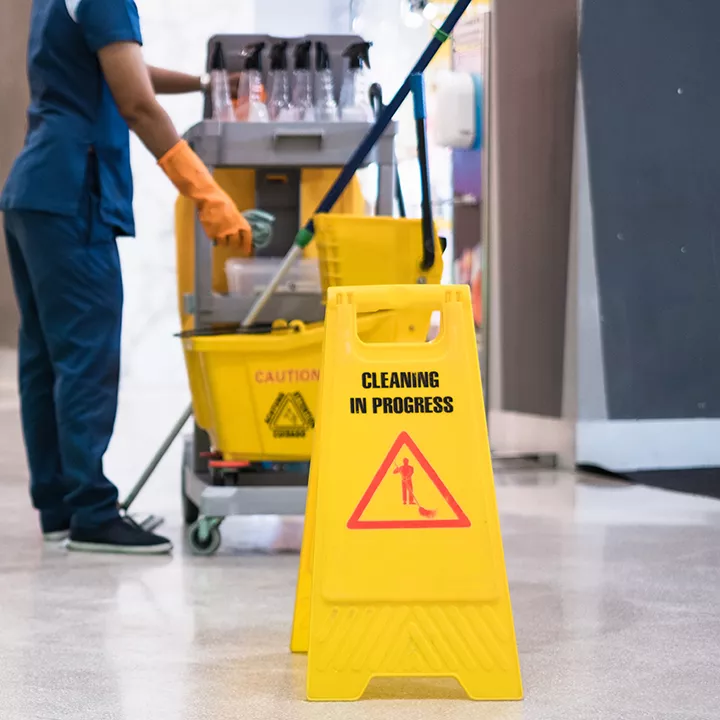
x,y
407,512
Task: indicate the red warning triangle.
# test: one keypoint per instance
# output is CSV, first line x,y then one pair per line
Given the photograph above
x,y
404,481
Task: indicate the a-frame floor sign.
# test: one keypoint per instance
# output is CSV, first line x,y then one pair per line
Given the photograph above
x,y
402,571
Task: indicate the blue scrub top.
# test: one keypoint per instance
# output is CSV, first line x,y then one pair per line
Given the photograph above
x,y
74,125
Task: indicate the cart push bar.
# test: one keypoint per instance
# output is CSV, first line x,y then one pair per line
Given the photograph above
x,y
306,234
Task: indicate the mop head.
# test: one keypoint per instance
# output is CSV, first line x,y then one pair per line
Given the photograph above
x,y
262,224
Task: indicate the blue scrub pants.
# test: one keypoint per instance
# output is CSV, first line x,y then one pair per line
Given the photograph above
x,y
67,279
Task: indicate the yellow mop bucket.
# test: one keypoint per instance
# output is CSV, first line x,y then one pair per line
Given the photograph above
x,y
357,250
259,390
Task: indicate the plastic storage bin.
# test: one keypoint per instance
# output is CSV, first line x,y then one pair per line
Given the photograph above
x,y
256,393
357,250
250,276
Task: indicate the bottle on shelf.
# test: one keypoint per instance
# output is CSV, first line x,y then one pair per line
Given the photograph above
x,y
251,91
222,107
302,93
279,109
326,109
354,98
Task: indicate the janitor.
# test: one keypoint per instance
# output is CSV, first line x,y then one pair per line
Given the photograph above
x,y
66,200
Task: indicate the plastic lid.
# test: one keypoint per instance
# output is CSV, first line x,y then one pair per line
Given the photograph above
x,y
322,56
217,60
302,55
278,56
358,54
253,56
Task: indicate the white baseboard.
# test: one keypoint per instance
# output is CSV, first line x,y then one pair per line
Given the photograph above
x,y
627,445
522,434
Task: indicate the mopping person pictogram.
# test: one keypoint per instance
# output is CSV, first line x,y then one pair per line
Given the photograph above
x,y
379,508
406,471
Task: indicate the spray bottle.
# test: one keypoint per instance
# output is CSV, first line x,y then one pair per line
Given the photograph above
x,y
326,109
251,93
222,108
354,98
278,107
302,94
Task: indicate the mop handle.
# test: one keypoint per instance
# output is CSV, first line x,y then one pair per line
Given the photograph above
x,y
305,236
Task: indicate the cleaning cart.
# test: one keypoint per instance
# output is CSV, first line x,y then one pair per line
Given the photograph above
x,y
254,385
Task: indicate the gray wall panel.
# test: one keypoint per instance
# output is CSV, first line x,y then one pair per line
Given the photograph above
x,y
536,62
653,116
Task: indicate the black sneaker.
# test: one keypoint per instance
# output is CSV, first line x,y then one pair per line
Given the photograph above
x,y
123,536
54,530
56,536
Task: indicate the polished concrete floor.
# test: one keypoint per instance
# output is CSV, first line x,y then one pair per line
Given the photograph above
x,y
616,594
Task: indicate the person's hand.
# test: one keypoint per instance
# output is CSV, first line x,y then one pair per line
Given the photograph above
x,y
234,79
218,215
234,82
222,221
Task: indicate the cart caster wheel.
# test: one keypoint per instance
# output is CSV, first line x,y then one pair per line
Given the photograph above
x,y
204,536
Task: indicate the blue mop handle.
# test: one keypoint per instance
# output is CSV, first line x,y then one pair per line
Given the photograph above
x,y
305,235
417,86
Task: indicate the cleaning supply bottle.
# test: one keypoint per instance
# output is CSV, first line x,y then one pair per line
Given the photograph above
x,y
278,106
354,98
302,94
251,92
222,108
326,109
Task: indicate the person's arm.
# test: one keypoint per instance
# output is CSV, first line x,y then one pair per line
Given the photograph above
x,y
130,84
169,82
111,29
128,78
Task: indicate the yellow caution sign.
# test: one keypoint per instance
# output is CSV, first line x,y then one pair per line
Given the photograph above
x,y
300,639
402,570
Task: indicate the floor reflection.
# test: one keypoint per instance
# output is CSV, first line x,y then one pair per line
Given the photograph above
x,y
614,591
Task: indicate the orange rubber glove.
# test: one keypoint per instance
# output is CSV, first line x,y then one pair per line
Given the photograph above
x,y
220,218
